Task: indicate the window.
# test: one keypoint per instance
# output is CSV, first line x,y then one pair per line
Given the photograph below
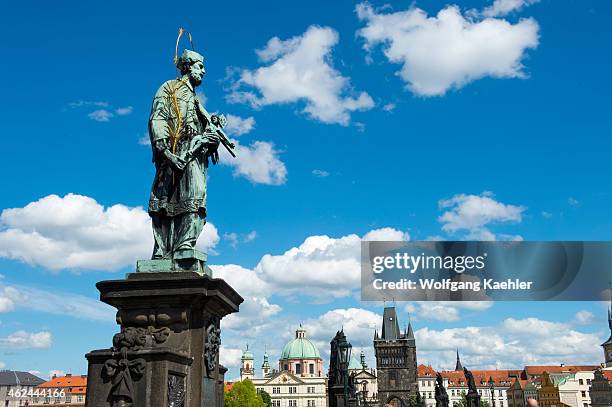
x,y
292,403
311,368
580,381
298,368
583,393
292,390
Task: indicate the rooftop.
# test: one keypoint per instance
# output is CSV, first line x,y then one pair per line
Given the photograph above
x,y
12,378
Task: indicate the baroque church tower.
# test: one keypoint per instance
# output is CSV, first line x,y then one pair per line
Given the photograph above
x,y
396,361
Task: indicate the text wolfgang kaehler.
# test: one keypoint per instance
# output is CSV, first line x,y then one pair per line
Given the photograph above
x,y
458,264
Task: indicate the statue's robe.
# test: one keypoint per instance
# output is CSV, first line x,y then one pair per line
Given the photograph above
x,y
177,204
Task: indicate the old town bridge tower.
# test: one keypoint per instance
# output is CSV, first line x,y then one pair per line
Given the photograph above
x,y
396,361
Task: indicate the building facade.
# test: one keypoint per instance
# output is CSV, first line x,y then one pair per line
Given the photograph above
x,y
299,380
61,391
396,361
365,379
16,387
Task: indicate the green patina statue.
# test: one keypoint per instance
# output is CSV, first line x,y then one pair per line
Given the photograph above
x,y
184,138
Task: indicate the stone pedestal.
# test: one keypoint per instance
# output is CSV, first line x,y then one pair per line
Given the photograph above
x,y
167,353
472,399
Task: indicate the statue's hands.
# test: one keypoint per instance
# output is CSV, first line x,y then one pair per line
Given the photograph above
x,y
212,140
175,161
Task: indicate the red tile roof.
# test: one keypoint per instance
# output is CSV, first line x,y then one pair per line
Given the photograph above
x,y
539,370
426,371
77,384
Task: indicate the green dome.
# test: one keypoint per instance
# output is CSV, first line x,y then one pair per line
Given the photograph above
x,y
355,364
300,347
247,354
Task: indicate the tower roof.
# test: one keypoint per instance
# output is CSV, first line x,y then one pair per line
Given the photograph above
x,y
300,347
458,366
247,354
390,328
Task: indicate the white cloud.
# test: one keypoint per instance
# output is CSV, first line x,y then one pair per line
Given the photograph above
x,y
320,173
26,340
144,140
230,357
389,107
256,311
505,7
76,232
59,303
300,69
573,201
321,267
55,373
585,318
101,115
124,111
513,343
235,238
473,213
448,50
81,103
448,311
258,163
237,126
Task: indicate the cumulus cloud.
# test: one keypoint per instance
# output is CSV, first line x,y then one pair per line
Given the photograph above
x,y
101,115
505,7
300,70
237,126
230,357
124,111
322,267
585,318
76,232
474,213
449,50
448,311
258,162
513,343
25,340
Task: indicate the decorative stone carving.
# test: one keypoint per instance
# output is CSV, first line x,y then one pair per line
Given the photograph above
x,y
176,391
122,373
213,342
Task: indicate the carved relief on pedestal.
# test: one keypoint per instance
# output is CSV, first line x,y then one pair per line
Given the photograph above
x,y
211,348
176,391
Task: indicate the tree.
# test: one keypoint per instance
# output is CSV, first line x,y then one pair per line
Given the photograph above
x,y
266,398
463,402
243,394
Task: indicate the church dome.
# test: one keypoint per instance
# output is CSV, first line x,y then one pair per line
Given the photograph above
x,y
300,347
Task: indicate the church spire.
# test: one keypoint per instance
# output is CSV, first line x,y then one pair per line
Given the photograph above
x,y
458,366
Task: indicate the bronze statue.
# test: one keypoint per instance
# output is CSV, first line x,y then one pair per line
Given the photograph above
x,y
184,136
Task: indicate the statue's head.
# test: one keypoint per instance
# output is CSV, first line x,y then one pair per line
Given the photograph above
x,y
191,64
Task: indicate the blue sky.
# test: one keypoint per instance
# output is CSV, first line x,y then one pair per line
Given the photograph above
x,y
478,122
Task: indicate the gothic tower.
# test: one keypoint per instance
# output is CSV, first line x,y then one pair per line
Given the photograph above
x,y
607,345
396,362
458,365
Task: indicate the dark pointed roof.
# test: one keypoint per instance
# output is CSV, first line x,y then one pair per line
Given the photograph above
x,y
458,366
390,328
609,341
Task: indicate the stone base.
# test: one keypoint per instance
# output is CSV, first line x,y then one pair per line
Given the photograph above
x,y
167,353
186,260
